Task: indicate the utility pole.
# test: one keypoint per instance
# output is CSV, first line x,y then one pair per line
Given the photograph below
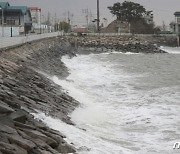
x,y
55,25
69,21
86,12
98,20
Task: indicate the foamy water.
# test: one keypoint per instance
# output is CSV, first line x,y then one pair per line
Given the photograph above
x,y
175,50
129,103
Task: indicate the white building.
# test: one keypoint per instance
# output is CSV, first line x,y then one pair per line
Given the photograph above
x,y
36,18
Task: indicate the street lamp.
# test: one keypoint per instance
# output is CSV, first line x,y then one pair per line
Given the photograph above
x,y
2,17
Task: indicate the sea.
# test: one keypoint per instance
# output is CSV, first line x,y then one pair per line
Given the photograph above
x,y
129,103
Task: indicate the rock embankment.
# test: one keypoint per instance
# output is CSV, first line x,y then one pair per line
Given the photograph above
x,y
131,43
23,91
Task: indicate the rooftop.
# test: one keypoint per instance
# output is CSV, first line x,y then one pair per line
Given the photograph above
x,y
177,13
24,9
35,8
4,5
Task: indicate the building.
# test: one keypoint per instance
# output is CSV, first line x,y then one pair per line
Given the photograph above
x,y
116,27
14,20
36,18
172,26
177,22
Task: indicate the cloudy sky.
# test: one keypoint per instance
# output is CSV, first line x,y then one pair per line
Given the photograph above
x,y
163,9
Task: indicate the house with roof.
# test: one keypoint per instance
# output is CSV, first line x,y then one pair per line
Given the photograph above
x,y
14,20
116,26
177,23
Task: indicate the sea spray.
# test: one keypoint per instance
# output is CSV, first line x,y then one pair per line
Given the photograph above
x,y
129,103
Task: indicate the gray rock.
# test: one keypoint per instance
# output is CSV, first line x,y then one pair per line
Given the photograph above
x,y
6,129
66,148
19,116
26,99
7,148
57,138
23,126
5,120
23,143
36,134
5,109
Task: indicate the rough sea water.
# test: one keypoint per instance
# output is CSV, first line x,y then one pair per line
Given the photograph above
x,y
130,103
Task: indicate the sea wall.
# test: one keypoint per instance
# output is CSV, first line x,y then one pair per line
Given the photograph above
x,y
23,91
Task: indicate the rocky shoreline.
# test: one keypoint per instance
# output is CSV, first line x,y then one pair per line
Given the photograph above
x,y
25,89
134,44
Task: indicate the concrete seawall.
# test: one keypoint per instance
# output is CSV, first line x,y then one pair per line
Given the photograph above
x,y
23,91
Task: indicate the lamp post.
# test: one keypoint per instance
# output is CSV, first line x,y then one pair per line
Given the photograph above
x,y
2,17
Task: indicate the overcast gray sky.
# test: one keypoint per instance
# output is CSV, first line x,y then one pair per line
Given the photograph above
x,y
163,9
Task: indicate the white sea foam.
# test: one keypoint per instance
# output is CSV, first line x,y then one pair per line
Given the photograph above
x,y
172,50
118,52
119,115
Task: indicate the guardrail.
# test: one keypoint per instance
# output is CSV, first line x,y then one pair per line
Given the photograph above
x,y
6,42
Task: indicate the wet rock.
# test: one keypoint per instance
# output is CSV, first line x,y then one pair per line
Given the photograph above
x,y
57,138
36,134
38,124
19,116
12,102
6,129
41,85
27,99
23,126
7,148
6,120
42,152
23,143
56,133
66,148
51,150
5,108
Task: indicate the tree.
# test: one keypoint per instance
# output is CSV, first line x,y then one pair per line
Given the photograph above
x,y
132,13
62,26
127,11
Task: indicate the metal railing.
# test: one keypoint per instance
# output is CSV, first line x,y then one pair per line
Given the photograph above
x,y
6,42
